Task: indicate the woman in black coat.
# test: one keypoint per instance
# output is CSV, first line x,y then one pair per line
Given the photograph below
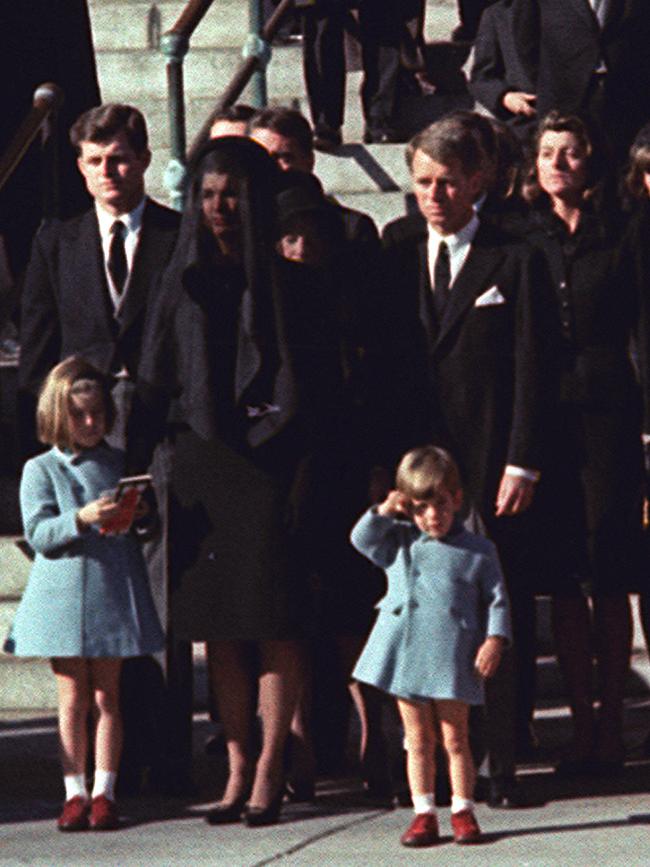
x,y
234,365
595,459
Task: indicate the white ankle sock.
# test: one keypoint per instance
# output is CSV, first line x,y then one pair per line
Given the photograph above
x,y
459,804
75,786
104,784
424,804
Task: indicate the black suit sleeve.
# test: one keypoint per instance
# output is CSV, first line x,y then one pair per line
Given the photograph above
x,y
532,388
488,83
40,335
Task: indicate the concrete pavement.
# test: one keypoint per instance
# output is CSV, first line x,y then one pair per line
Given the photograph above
x,y
583,823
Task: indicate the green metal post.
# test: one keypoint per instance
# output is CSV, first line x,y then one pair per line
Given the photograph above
x,y
175,47
256,47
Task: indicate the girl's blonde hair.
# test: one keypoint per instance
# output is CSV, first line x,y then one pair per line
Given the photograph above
x,y
69,377
424,471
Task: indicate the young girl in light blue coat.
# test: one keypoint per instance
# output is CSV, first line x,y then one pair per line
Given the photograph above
x,y
440,630
87,603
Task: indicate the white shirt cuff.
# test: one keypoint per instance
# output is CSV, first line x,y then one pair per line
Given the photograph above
x,y
522,473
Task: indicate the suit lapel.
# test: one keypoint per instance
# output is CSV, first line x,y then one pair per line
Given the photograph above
x,y
90,264
471,281
585,9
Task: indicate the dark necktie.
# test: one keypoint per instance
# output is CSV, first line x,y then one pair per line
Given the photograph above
x,y
441,279
117,266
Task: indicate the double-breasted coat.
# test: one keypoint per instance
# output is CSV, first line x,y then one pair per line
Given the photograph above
x,y
87,594
444,597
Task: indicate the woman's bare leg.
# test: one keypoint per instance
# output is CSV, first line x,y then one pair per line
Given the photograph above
x,y
572,631
233,684
613,632
303,760
281,676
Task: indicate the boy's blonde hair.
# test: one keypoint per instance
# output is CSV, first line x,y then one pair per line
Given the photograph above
x,y
424,471
69,377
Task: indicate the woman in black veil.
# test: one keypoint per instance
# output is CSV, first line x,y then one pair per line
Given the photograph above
x,y
229,366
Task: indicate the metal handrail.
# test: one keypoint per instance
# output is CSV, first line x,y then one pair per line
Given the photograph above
x,y
190,18
174,45
48,97
253,60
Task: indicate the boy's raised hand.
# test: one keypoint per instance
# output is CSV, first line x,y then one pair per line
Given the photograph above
x,y
488,656
396,505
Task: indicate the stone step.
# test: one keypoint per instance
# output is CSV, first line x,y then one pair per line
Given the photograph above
x,y
14,568
27,684
120,24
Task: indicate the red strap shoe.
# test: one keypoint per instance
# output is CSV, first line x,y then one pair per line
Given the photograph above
x,y
423,831
465,827
103,814
74,816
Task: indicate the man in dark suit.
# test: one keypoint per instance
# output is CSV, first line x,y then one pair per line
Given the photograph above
x,y
382,31
88,278
86,292
589,57
498,79
466,358
470,13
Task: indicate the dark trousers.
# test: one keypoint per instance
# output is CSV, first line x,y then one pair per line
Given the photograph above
x,y
381,28
469,12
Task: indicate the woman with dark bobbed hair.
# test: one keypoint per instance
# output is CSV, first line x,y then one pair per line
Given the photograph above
x,y
241,378
596,458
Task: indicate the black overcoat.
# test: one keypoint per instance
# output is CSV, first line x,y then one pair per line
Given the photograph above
x,y
66,307
497,67
598,469
475,382
563,45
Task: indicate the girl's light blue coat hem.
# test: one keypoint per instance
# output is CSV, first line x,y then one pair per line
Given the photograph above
x,y
444,597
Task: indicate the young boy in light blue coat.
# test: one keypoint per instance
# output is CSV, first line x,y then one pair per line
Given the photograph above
x,y
440,631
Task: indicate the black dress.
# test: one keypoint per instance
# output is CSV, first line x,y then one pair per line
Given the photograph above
x,y
595,465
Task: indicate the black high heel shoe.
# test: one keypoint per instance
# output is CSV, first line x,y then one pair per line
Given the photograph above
x,y
301,791
223,814
255,817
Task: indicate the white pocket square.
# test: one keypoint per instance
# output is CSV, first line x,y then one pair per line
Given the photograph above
x,y
489,297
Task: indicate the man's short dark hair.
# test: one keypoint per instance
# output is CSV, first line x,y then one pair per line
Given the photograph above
x,y
448,139
286,122
237,113
103,122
